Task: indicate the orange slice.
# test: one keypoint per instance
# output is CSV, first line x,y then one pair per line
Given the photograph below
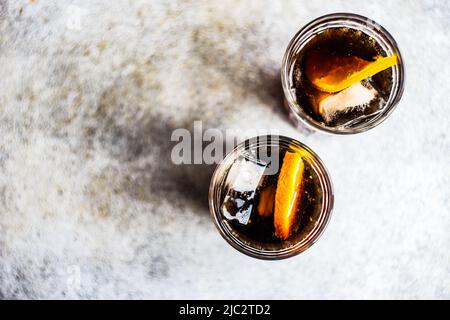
x,y
266,202
328,104
287,196
330,73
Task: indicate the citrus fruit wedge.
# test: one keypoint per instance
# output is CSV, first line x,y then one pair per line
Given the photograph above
x,y
332,73
327,105
288,194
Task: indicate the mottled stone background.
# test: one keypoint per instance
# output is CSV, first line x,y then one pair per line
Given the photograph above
x,y
92,207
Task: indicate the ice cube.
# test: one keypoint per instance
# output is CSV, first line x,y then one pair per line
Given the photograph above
x,y
358,95
242,180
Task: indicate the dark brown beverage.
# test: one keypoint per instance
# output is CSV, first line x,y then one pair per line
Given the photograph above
x,y
260,227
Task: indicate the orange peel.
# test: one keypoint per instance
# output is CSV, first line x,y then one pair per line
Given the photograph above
x,y
288,194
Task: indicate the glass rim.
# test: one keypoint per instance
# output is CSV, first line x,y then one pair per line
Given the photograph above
x,y
216,186
358,22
